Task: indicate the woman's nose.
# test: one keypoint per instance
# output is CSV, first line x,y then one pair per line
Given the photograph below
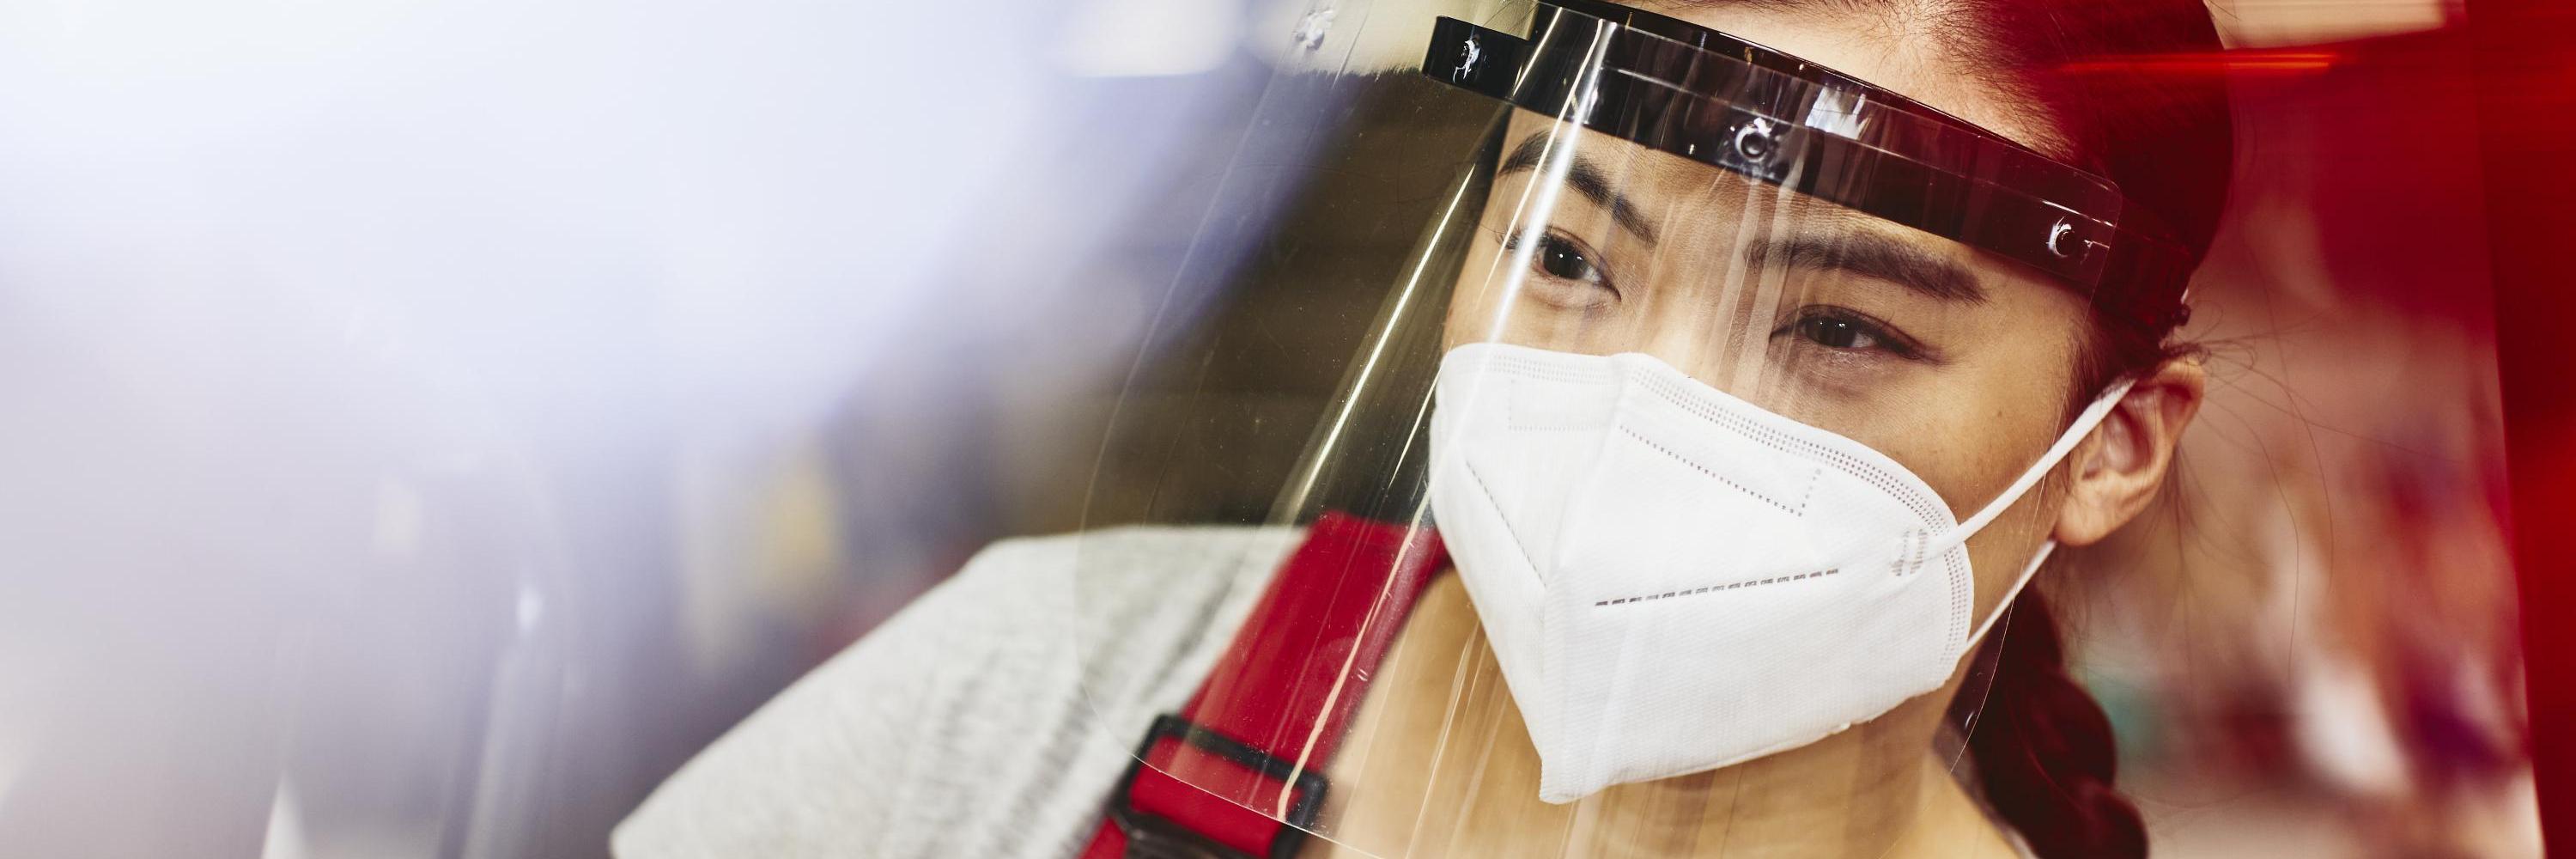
x,y
1722,353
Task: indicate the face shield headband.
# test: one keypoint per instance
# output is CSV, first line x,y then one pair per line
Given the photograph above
x,y
1676,87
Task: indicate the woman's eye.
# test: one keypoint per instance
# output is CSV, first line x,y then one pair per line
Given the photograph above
x,y
1564,259
1560,257
1855,334
1840,333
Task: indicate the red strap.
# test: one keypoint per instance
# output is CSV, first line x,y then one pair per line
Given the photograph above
x,y
1286,687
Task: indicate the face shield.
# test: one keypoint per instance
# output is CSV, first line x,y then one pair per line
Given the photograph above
x,y
1656,459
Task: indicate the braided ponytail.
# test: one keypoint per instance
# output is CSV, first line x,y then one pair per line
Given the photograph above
x,y
2044,749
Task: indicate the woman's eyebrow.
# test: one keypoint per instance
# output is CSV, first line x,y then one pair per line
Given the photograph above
x,y
1586,179
1872,255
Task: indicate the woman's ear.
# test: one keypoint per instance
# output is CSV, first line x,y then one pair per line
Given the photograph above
x,y
2114,473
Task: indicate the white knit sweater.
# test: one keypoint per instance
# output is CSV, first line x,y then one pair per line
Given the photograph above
x,y
988,719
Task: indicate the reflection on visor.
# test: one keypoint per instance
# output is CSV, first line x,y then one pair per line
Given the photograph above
x,y
1689,91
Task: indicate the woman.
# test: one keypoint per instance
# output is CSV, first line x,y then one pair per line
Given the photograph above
x,y
1752,365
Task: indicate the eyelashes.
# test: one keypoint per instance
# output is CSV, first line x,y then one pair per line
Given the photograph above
x,y
1567,260
1843,329
1561,258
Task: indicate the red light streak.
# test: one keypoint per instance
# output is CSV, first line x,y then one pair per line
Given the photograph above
x,y
2304,60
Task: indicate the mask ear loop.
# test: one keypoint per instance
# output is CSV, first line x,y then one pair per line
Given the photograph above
x,y
2075,433
1981,677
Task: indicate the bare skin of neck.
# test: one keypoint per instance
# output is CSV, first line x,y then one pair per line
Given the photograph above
x,y
1438,764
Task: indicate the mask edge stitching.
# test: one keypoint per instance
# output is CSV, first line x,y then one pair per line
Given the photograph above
x,y
1798,511
1497,505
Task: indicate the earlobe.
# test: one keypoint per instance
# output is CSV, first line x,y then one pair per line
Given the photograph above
x,y
2113,476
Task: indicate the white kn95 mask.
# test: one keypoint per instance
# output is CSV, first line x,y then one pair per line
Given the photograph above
x,y
1675,580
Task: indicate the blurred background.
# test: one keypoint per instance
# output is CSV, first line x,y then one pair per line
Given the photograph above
x,y
429,423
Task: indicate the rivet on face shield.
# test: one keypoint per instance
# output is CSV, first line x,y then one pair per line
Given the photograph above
x,y
2058,243
1311,28
1754,141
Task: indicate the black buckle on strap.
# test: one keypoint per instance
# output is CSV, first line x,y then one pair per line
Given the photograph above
x,y
1151,836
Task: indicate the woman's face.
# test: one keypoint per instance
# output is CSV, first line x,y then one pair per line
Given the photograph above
x,y
1952,361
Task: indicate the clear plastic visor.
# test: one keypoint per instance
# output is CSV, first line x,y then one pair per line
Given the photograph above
x,y
1388,726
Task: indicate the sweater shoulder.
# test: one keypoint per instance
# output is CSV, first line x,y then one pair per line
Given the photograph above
x,y
986,718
